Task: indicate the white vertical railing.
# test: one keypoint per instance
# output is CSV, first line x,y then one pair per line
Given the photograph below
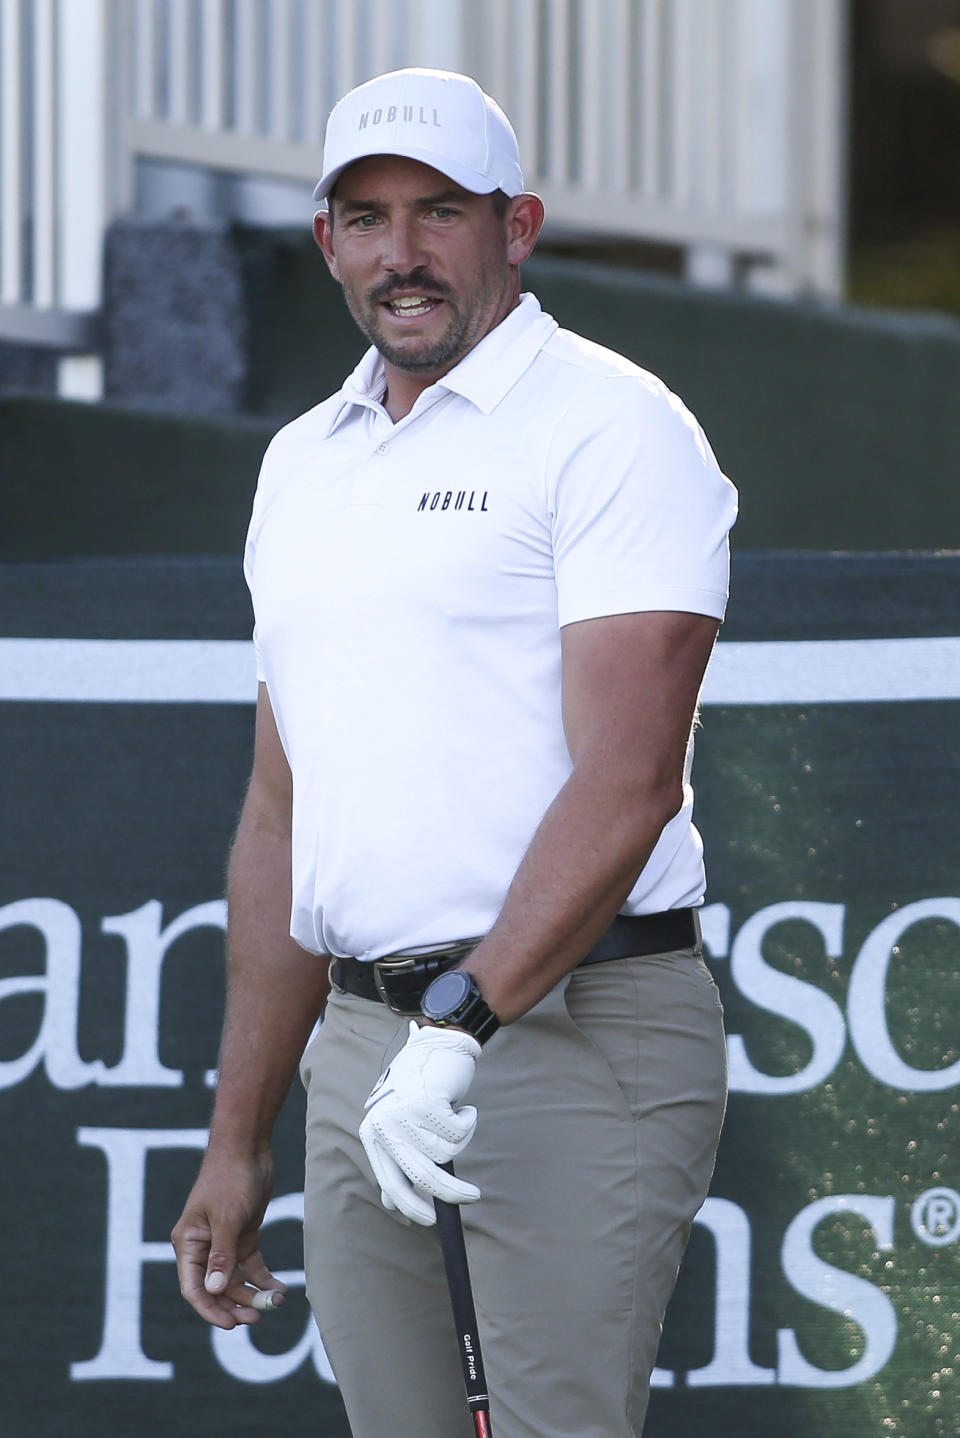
x,y
648,81
213,72
54,108
314,46
44,95
11,148
282,89
824,205
144,54
620,126
247,86
713,125
80,164
558,99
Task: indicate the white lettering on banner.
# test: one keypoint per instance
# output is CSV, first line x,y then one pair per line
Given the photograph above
x,y
935,1216
715,929
867,1001
56,1042
121,1354
790,998
828,1287
844,1293
235,1350
147,946
731,1363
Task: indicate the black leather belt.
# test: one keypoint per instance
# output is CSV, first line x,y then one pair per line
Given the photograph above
x,y
398,980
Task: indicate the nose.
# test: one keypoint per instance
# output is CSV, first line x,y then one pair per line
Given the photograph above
x,y
404,250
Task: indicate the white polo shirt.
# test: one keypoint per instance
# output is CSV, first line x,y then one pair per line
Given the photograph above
x,y
409,584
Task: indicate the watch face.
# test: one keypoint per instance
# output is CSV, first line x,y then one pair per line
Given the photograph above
x,y
445,995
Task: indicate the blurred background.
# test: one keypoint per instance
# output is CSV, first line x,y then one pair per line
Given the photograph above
x,y
787,147
759,200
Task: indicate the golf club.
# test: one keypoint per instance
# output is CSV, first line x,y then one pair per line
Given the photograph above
x,y
450,1228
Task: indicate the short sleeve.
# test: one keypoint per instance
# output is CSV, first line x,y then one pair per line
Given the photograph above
x,y
249,555
640,510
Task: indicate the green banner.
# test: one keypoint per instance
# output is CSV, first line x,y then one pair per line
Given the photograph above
x,y
821,1292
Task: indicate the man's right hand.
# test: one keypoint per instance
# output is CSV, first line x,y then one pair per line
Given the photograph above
x,y
217,1239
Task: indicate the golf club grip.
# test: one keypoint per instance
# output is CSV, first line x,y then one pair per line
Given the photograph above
x,y
450,1229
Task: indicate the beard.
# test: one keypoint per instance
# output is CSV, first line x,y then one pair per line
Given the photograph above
x,y
423,356
467,318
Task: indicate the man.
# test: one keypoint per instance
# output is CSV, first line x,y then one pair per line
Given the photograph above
x,y
487,576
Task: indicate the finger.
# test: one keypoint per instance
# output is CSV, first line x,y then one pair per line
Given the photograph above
x,y
253,1299
391,1207
256,1272
438,1116
394,1182
387,1177
432,1179
375,1156
222,1258
265,1301
442,1137
451,1190
191,1250
191,1244
414,1208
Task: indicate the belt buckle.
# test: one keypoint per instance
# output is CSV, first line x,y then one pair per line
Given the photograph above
x,y
392,965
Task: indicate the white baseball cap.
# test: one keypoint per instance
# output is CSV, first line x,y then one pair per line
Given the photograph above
x,y
435,116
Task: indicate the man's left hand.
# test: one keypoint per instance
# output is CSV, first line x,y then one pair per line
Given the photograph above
x,y
412,1125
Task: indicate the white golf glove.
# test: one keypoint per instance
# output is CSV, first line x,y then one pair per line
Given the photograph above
x,y
412,1125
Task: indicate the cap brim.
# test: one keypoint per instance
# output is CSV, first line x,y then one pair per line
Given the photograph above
x,y
471,180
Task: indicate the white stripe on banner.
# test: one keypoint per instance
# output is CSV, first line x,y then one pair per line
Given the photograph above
x,y
206,671
833,671
119,671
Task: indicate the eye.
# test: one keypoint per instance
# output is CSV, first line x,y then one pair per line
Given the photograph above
x,y
365,222
443,212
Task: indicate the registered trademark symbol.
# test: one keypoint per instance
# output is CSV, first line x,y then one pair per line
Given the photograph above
x,y
935,1216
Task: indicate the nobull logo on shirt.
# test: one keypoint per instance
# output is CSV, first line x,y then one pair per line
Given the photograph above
x,y
411,114
449,499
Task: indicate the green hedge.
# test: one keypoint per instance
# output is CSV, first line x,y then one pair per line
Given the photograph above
x,y
841,427
95,480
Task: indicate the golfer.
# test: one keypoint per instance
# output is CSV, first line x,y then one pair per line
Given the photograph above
x,y
487,576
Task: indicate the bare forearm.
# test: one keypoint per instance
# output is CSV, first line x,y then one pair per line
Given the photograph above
x,y
581,864
630,686
275,991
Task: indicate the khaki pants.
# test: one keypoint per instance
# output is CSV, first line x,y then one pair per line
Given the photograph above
x,y
600,1112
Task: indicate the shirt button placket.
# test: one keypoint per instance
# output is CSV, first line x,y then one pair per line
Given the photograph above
x,y
368,478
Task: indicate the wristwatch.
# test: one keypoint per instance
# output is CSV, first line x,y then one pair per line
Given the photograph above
x,y
453,998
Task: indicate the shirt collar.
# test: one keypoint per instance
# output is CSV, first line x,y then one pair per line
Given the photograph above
x,y
364,387
483,377
493,366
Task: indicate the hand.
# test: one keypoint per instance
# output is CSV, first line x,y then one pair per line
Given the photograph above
x,y
412,1125
217,1241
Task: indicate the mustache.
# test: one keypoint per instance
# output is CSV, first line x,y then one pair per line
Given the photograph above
x,y
400,284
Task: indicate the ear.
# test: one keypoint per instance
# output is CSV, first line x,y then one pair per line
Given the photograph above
x,y
323,234
524,222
